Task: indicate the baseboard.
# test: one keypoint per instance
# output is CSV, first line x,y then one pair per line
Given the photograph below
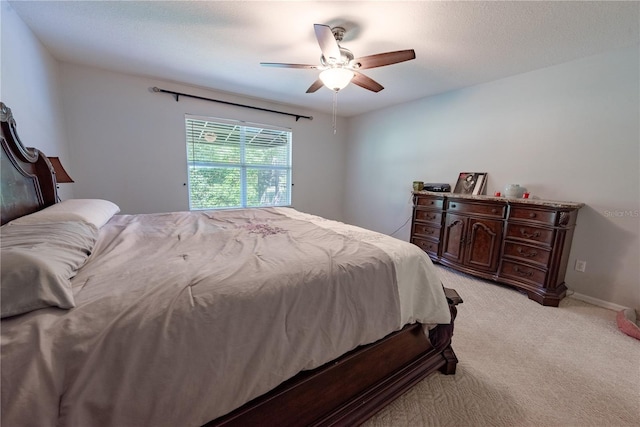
x,y
596,301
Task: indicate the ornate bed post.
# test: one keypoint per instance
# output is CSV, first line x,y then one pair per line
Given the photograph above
x,y
28,180
441,337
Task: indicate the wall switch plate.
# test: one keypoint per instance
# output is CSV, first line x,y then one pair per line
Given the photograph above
x,y
581,265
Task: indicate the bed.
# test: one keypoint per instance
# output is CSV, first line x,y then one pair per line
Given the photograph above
x,y
264,316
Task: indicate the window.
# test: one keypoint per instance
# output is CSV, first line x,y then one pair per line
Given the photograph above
x,y
235,164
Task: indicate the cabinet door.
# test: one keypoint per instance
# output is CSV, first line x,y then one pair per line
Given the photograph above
x,y
453,242
483,244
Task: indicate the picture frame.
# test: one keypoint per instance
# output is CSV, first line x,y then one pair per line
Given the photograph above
x,y
473,183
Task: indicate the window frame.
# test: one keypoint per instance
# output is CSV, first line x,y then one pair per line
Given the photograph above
x,y
242,166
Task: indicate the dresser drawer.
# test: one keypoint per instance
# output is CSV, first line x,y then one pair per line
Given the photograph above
x,y
427,201
523,273
429,216
534,215
533,234
484,209
527,253
426,230
428,246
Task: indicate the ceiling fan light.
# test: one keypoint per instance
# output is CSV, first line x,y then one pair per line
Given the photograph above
x,y
210,137
336,78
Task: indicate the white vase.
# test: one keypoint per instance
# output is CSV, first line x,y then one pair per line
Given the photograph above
x,y
513,191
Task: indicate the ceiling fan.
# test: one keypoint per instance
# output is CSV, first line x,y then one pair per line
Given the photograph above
x,y
339,66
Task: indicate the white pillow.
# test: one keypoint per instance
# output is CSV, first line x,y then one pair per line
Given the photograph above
x,y
93,211
38,262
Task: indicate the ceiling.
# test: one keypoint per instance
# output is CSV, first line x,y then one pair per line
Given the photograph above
x,y
220,44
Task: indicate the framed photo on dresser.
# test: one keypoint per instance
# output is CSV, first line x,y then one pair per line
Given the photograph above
x,y
471,183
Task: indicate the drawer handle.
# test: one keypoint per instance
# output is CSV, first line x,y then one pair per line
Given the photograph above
x,y
532,215
524,233
431,202
431,217
523,273
453,206
525,253
494,210
426,230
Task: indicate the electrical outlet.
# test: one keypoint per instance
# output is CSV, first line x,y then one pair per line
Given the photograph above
x,y
581,265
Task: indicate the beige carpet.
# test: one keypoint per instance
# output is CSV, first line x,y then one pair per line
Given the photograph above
x,y
522,364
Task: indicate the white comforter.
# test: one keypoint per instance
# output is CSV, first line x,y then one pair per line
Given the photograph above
x,y
183,317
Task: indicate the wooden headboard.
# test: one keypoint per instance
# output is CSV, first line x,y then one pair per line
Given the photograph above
x,y
28,179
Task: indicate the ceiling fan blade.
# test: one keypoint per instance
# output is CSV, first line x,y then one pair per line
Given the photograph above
x,y
281,65
315,86
382,59
366,82
327,42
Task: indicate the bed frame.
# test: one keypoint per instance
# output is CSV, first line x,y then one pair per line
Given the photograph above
x,y
345,391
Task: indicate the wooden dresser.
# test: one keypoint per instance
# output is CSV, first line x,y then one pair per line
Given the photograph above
x,y
519,242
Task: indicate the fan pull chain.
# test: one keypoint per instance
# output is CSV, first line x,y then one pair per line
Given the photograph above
x,y
335,111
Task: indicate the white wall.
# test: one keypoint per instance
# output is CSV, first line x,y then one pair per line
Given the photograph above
x,y
127,143
568,132
29,86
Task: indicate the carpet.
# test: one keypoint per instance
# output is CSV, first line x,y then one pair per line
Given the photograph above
x,y
522,364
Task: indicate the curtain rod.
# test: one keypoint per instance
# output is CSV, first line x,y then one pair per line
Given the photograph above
x,y
178,94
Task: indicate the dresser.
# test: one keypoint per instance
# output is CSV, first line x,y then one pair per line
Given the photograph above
x,y
523,243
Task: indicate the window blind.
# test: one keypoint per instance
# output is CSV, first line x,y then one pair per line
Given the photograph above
x,y
236,164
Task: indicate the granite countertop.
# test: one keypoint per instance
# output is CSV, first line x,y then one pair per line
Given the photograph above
x,y
530,201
